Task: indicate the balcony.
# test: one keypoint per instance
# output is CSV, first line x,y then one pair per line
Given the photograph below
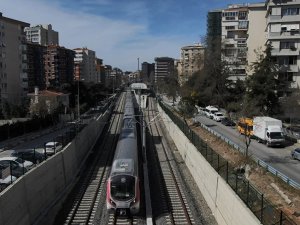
x,y
285,52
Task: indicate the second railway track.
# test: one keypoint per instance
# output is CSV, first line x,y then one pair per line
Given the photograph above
x,y
172,201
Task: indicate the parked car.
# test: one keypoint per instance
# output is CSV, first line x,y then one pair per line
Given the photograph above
x,y
29,155
210,110
18,166
296,153
218,116
6,181
52,147
227,122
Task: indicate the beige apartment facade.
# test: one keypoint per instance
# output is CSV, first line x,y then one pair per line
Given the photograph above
x,y
13,75
235,25
257,34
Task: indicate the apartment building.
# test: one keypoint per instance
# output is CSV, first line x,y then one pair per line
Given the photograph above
x,y
284,34
13,74
59,66
164,67
42,35
192,60
85,66
235,25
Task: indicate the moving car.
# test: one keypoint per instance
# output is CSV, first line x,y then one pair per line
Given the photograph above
x,y
218,116
53,147
296,153
29,155
227,122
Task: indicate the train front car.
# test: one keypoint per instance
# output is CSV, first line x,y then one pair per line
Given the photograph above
x,y
123,192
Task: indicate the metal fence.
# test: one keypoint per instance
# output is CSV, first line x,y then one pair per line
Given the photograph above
x,y
267,213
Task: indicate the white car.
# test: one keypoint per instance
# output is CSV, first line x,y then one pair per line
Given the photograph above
x,y
218,116
53,147
4,182
15,162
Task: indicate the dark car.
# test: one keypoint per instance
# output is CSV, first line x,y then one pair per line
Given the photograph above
x,y
29,155
227,122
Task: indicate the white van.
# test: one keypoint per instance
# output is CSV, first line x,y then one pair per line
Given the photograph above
x,y
210,111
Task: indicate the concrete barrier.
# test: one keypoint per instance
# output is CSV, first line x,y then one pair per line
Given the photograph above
x,y
36,197
226,206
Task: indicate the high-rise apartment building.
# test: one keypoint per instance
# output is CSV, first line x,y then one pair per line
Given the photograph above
x,y
214,32
164,67
13,67
59,66
36,66
42,35
148,72
85,67
192,60
235,25
284,35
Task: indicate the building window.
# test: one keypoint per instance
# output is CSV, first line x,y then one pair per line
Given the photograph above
x,y
290,11
243,24
229,52
287,45
292,60
229,27
243,15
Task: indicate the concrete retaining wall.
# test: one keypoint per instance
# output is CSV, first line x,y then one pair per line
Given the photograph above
x,y
36,197
226,206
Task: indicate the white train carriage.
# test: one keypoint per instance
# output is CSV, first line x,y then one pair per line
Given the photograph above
x,y
123,191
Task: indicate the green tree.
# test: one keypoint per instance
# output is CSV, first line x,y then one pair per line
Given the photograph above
x,y
262,85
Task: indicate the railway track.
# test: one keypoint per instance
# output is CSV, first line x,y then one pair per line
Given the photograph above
x,y
170,204
82,204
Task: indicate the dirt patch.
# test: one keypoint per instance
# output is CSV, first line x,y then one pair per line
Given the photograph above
x,y
275,190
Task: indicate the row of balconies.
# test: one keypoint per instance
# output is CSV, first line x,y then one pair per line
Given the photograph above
x,y
295,34
280,18
292,51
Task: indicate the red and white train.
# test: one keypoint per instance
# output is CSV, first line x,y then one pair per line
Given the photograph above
x,y
123,188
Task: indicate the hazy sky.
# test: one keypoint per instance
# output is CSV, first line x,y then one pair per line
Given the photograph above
x,y
120,31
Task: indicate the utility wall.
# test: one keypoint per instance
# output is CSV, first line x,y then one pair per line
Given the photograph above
x,y
36,197
226,206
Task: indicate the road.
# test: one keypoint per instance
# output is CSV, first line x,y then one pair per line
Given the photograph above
x,y
279,158
35,140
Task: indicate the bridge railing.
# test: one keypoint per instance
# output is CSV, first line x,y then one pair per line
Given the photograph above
x,y
267,213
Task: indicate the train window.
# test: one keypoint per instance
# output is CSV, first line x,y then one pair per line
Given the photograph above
x,y
128,133
122,187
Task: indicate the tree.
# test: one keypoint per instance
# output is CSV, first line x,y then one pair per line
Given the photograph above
x,y
262,85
